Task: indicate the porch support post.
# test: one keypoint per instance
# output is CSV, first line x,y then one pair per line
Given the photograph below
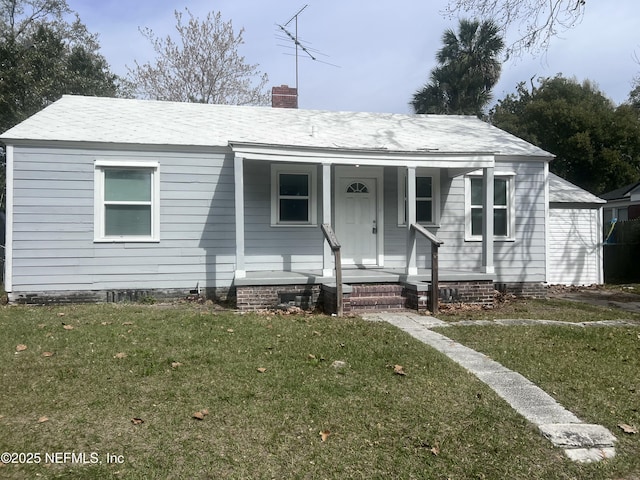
x,y
487,220
412,268
238,175
327,269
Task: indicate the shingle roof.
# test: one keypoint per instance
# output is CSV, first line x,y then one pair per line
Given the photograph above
x,y
562,191
125,121
621,192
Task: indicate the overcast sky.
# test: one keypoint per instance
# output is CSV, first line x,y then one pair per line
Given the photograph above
x,y
384,50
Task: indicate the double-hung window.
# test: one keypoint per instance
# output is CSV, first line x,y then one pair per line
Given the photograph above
x,y
293,195
126,201
427,197
503,207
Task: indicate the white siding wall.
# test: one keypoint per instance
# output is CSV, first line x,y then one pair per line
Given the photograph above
x,y
522,260
574,246
53,247
395,237
277,248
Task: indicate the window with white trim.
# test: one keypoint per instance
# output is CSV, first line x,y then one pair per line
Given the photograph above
x,y
126,201
427,197
293,195
503,207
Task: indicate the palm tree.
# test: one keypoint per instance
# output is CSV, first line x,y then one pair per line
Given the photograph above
x,y
468,68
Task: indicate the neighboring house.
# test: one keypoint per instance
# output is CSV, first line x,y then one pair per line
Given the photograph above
x,y
623,203
113,198
574,251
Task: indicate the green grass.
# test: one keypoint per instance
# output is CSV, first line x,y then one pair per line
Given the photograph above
x,y
438,421
595,372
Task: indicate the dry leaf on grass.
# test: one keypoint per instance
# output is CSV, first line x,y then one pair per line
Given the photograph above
x,y
120,355
434,449
399,370
137,421
67,327
47,354
43,419
262,369
61,314
324,434
21,348
199,415
628,428
337,364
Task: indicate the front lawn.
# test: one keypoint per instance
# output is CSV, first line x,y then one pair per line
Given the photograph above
x,y
120,384
593,371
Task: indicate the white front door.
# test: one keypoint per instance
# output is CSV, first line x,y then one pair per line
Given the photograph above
x,y
356,220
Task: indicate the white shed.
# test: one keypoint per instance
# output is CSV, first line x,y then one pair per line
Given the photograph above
x,y
574,242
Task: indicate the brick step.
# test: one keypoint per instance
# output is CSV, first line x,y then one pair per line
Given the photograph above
x,y
393,301
376,290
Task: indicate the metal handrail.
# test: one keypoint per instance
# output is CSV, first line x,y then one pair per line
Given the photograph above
x,y
334,244
435,244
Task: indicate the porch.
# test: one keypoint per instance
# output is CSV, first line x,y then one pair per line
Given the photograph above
x,y
377,204
357,275
362,289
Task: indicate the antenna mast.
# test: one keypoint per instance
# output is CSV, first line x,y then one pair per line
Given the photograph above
x,y
295,38
299,44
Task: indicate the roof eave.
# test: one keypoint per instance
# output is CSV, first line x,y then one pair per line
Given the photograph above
x,y
361,156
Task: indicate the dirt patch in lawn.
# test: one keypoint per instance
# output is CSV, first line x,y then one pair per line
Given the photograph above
x,y
622,297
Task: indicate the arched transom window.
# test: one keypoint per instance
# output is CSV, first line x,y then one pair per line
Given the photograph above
x,y
357,187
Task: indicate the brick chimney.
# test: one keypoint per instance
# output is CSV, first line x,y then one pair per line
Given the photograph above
x,y
284,96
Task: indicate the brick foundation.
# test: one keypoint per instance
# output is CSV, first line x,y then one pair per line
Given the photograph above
x,y
118,296
257,297
477,292
418,295
523,289
414,296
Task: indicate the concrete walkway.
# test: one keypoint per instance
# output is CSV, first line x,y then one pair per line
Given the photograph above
x,y
582,442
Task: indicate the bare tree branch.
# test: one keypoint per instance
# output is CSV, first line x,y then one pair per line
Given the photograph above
x,y
537,21
203,67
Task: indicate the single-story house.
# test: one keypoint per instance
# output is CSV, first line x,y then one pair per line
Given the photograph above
x,y
622,203
116,198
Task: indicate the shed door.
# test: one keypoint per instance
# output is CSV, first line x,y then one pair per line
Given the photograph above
x,y
356,222
574,246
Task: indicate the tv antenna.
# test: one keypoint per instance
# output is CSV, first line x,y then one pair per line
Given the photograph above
x,y
299,45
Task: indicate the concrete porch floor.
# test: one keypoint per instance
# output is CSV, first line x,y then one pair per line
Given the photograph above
x,y
357,275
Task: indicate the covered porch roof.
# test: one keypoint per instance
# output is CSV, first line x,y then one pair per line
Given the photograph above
x,y
458,162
